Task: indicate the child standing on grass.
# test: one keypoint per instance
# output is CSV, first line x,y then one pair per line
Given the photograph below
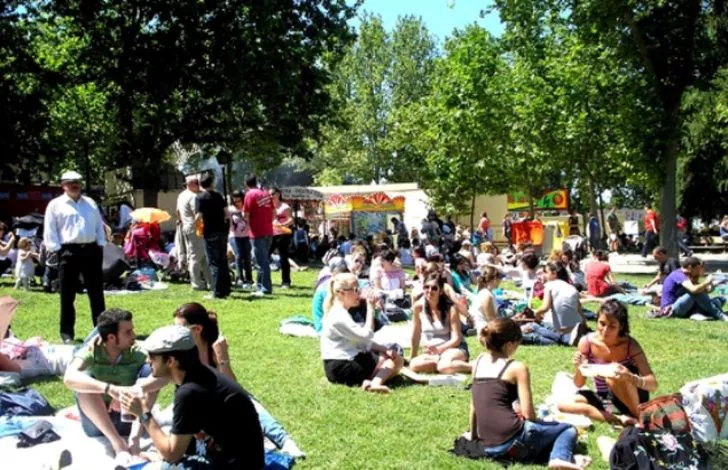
x,y
24,267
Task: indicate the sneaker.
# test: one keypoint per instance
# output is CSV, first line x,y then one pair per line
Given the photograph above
x,y
577,333
699,317
66,338
258,293
285,286
290,448
248,286
724,317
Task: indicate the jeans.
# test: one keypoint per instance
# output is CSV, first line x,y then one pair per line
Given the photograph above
x,y
535,439
682,246
651,241
283,243
121,427
216,249
243,259
688,304
271,428
543,336
261,247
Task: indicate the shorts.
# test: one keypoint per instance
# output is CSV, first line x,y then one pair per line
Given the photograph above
x,y
351,372
464,348
605,401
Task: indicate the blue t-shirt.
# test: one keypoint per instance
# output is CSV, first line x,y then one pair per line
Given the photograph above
x,y
317,307
672,287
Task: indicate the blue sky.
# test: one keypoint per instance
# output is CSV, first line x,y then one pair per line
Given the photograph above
x,y
440,16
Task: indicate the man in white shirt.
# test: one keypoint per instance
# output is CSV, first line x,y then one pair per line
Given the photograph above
x,y
74,229
194,245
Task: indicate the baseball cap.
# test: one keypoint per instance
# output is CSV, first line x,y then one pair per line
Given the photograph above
x,y
168,339
194,178
71,176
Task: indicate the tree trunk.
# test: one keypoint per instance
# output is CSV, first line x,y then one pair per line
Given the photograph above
x,y
603,222
472,214
668,198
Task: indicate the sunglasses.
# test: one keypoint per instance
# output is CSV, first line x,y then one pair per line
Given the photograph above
x,y
428,287
350,289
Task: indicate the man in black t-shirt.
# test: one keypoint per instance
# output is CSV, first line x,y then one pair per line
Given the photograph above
x,y
210,410
210,207
666,265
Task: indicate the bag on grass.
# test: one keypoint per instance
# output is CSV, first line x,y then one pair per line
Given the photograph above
x,y
39,433
664,413
24,402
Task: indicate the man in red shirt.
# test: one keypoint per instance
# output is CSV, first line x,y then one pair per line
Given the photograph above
x,y
652,225
258,207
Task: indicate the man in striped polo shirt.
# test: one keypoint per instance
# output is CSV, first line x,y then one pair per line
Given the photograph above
x,y
102,369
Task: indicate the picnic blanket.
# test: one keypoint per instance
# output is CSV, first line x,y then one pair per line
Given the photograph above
x,y
298,326
400,334
632,299
436,380
87,452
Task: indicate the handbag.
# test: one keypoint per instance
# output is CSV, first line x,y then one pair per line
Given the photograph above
x,y
664,413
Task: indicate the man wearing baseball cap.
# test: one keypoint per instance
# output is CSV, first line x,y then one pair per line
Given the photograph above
x,y
208,407
73,228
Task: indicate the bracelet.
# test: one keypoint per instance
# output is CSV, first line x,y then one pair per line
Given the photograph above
x,y
106,390
223,363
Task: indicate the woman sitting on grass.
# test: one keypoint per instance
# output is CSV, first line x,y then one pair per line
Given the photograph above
x,y
629,380
350,355
485,307
213,349
564,322
503,429
436,321
460,272
388,276
600,280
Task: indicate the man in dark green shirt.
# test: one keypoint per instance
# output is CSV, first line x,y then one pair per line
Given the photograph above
x,y
104,367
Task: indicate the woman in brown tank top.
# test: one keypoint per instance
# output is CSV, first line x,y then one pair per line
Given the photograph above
x,y
504,429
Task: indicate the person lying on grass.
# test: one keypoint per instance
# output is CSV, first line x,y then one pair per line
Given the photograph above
x,y
630,377
213,350
350,355
435,322
504,429
564,322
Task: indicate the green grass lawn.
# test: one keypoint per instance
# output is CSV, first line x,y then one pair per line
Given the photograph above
x,y
340,427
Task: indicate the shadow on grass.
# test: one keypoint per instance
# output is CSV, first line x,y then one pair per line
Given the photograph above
x,y
42,379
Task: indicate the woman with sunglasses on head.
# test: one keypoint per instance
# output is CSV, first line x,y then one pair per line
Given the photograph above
x,y
213,350
350,355
436,323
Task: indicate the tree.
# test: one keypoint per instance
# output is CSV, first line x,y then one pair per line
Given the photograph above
x,y
220,73
377,83
461,128
672,45
23,91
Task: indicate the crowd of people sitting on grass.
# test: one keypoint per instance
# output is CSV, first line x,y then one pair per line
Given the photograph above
x,y
456,291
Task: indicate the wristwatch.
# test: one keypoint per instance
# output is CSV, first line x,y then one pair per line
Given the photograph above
x,y
145,417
